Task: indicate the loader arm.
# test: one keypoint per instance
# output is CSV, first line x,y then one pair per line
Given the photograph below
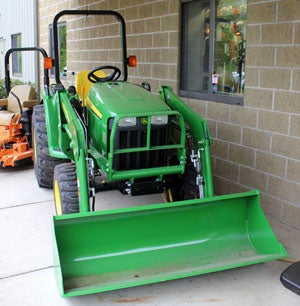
x,y
68,140
200,131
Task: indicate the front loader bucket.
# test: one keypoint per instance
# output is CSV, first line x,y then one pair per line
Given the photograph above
x,y
107,250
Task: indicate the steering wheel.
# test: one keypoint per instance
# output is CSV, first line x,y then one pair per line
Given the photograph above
x,y
92,77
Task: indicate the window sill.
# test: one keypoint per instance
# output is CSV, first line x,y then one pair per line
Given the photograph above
x,y
220,98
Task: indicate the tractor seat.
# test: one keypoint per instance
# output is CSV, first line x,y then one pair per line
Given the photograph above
x,y
82,83
27,97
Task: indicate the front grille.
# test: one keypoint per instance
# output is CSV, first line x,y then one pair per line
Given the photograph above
x,y
136,137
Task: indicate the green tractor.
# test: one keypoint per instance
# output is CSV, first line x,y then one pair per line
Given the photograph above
x,y
105,132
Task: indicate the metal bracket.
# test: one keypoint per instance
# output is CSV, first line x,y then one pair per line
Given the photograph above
x,y
195,159
91,175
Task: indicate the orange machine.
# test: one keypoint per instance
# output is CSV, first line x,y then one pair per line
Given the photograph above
x,y
15,117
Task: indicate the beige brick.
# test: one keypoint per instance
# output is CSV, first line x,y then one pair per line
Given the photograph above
x,y
296,78
161,8
260,56
283,189
153,55
220,185
269,163
212,124
160,71
218,111
271,205
130,14
219,149
153,25
160,40
288,10
138,2
145,11
111,4
286,146
244,116
288,56
138,27
169,56
145,41
198,106
291,214
275,78
273,121
173,73
226,169
252,76
144,70
287,102
174,6
293,170
259,98
277,33
295,126
261,12
234,187
253,35
256,139
253,178
229,132
140,55
241,155
297,33
132,41
170,23
173,39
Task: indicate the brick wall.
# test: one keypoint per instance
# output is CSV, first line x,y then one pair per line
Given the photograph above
x,y
255,146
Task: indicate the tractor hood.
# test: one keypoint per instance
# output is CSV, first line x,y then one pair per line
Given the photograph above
x,y
113,99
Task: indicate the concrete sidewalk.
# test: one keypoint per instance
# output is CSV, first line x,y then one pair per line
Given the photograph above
x,y
26,264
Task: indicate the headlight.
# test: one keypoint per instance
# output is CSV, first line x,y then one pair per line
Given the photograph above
x,y
159,120
129,121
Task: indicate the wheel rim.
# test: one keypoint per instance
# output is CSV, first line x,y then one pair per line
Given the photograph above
x,y
57,198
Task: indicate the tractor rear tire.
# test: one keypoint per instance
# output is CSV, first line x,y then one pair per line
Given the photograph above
x,y
44,164
65,189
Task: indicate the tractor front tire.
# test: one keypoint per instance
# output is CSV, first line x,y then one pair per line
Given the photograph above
x,y
65,189
191,190
44,164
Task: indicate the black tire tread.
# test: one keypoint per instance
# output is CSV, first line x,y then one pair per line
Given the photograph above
x,y
44,164
66,177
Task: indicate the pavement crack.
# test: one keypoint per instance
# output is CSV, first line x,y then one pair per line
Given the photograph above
x,y
27,272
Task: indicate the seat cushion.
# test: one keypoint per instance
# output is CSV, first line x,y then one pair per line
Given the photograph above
x,y
24,93
27,97
5,117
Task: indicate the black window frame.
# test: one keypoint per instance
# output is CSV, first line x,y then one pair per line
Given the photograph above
x,y
207,96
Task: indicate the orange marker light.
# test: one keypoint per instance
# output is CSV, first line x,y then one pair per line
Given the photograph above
x,y
131,61
48,63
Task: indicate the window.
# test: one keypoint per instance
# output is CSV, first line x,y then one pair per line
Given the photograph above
x,y
213,45
62,46
16,56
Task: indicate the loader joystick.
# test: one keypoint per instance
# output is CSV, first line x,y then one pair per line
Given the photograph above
x,y
93,77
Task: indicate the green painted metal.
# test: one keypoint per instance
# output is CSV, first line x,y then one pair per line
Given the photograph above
x,y
114,249
108,250
199,130
53,124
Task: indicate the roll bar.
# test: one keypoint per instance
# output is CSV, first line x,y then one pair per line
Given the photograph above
x,y
87,13
6,65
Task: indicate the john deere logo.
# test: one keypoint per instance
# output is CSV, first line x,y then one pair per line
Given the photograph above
x,y
144,120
